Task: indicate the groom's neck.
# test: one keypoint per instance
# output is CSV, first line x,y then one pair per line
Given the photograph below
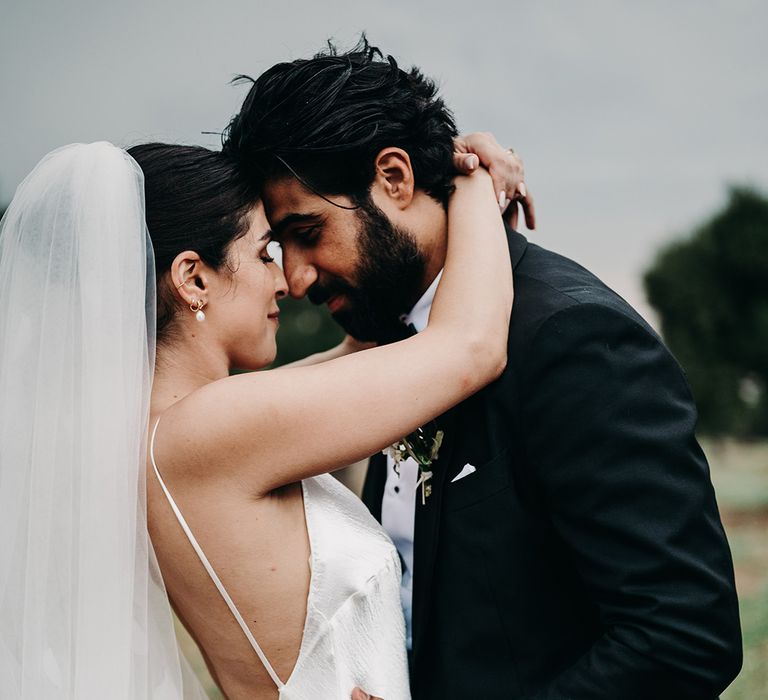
x,y
430,227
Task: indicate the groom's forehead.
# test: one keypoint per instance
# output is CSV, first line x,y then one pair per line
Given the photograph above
x,y
286,196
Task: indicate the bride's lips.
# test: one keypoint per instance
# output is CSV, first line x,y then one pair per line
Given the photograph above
x,y
274,316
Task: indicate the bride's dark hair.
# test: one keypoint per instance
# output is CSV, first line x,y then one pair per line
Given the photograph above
x,y
195,200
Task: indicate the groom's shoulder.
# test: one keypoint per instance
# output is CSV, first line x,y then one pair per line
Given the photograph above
x,y
547,283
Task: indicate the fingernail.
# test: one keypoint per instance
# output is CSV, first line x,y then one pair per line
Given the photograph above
x,y
502,200
521,189
472,162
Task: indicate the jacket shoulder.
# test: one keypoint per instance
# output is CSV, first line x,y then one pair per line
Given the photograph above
x,y
547,284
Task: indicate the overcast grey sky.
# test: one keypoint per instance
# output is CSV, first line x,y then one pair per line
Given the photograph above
x,y
631,116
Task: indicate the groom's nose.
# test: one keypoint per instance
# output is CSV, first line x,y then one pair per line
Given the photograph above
x,y
301,275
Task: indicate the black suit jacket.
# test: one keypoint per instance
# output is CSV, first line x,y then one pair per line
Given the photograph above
x,y
585,557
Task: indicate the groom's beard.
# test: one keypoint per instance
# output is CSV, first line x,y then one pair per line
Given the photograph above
x,y
387,280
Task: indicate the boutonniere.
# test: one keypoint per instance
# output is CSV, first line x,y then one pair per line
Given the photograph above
x,y
423,445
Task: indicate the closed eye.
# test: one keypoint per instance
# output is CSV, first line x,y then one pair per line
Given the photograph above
x,y
307,236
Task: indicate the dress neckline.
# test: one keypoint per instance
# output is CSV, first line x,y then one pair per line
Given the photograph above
x,y
313,569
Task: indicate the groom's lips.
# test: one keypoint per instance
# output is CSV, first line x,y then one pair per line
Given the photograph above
x,y
335,303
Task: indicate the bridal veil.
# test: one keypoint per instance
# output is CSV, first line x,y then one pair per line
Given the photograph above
x,y
83,610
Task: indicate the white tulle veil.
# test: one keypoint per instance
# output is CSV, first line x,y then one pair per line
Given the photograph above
x,y
83,611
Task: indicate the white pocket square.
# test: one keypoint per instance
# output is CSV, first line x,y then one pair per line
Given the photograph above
x,y
466,471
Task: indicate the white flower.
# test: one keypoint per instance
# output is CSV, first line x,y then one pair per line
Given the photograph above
x,y
417,446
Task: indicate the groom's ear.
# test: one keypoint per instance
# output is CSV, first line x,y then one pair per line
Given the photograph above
x,y
393,180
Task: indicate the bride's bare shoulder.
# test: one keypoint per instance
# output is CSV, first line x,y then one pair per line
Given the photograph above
x,y
215,428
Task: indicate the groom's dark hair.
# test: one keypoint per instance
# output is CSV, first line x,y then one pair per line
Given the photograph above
x,y
325,119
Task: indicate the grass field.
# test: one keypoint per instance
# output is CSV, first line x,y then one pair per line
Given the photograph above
x,y
740,475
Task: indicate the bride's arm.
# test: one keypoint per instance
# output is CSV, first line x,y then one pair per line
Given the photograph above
x,y
268,429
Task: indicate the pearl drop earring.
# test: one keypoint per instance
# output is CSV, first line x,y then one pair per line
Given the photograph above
x,y
197,309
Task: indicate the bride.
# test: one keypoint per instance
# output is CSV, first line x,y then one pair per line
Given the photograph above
x,y
287,584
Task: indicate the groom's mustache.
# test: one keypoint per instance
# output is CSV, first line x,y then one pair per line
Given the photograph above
x,y
320,292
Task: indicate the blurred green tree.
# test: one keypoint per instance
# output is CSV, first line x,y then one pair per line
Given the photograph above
x,y
304,329
711,294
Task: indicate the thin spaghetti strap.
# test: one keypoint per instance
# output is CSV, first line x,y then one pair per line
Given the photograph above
x,y
214,577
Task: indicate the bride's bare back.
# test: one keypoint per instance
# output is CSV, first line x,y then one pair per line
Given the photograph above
x,y
260,549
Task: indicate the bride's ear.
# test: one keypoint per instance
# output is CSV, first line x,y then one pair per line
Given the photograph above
x,y
393,180
189,277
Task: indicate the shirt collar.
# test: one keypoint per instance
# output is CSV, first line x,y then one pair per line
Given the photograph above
x,y
419,315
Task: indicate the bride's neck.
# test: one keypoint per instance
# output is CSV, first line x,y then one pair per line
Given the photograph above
x,y
181,368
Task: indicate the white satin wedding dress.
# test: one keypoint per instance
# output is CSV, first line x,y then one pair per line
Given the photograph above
x,y
354,632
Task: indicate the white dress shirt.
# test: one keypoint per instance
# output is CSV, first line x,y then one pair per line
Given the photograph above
x,y
398,506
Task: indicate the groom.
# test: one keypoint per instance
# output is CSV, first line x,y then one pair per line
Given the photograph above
x,y
570,545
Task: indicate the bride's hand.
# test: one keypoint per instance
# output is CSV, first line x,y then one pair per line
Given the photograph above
x,y
506,169
345,347
350,344
358,694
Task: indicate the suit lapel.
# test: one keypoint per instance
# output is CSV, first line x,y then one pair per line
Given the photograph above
x,y
427,527
375,481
